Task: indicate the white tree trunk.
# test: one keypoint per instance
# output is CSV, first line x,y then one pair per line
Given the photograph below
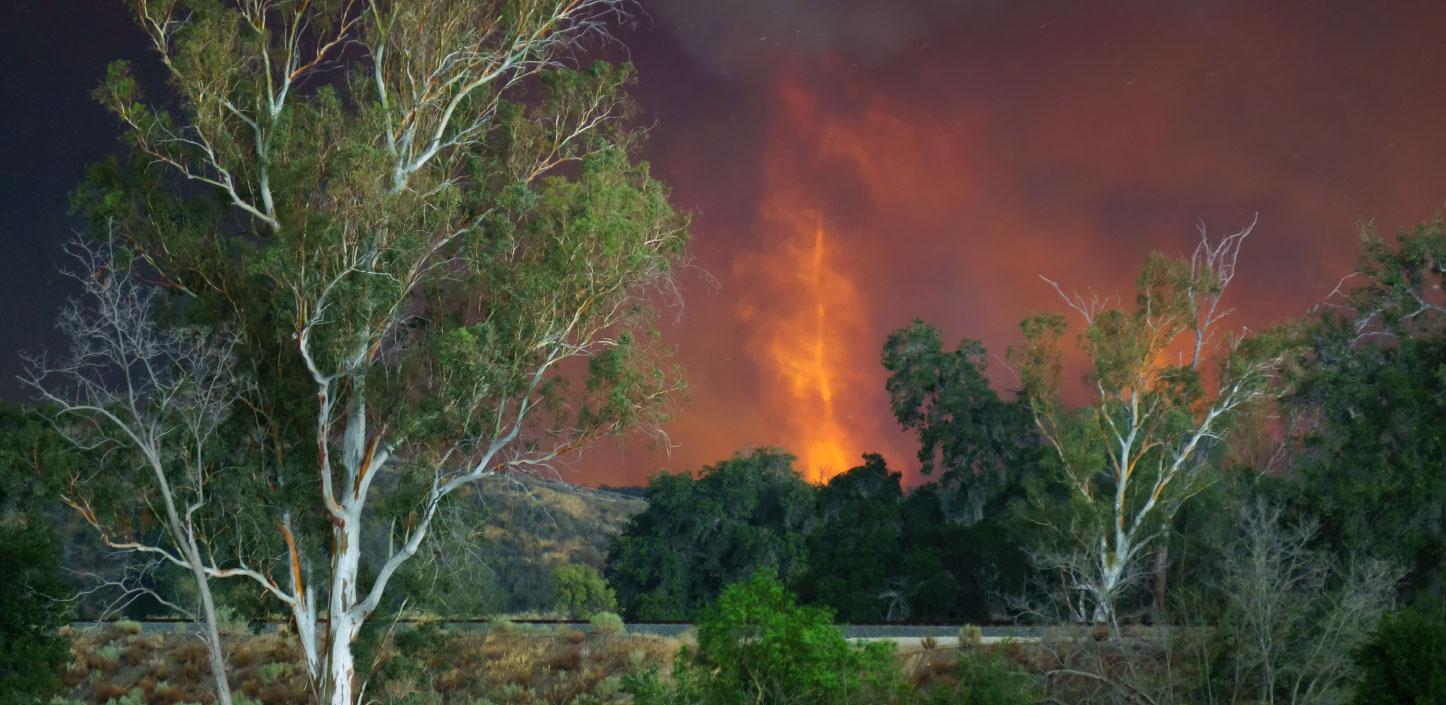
x,y
344,622
208,622
342,663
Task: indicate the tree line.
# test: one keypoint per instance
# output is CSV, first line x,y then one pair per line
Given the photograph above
x,y
1276,493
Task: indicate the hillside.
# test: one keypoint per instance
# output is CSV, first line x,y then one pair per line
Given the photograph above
x,y
532,526
493,550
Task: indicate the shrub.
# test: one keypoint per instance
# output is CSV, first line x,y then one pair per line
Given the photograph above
x,y
607,623
970,635
986,678
406,677
756,645
1404,661
273,672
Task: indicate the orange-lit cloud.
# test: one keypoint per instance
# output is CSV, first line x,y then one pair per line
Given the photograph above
x,y
951,168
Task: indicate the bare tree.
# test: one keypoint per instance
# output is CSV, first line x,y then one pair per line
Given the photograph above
x,y
1278,626
1293,614
1136,451
149,400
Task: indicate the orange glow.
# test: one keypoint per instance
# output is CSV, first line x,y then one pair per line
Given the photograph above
x,y
803,325
806,355
841,194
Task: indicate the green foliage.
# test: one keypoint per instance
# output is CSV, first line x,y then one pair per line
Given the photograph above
x,y
854,551
273,672
756,645
579,591
1404,662
1367,410
135,696
420,652
877,555
32,462
457,279
698,535
984,677
109,652
857,545
1123,463
31,652
607,623
979,441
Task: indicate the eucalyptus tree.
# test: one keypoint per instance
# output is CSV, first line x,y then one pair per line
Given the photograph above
x,y
437,253
1123,462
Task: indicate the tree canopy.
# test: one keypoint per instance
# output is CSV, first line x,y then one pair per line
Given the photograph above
x,y
1366,408
980,443
700,534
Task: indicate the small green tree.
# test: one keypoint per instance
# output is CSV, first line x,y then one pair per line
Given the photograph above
x,y
579,591
757,645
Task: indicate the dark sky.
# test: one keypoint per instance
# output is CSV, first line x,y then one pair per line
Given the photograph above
x,y
852,165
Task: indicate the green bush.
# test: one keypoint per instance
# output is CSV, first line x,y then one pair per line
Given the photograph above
x,y
405,678
756,645
578,590
607,623
273,672
1404,662
985,677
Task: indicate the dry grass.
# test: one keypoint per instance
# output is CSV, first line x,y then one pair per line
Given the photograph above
x,y
507,667
512,667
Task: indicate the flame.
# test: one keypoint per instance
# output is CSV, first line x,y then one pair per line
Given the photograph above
x,y
807,356
809,334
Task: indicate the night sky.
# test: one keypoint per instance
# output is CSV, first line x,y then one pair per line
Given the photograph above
x,y
852,165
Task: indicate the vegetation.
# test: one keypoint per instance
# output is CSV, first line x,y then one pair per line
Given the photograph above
x,y
1404,661
32,595
857,545
699,535
362,256
367,270
1365,410
581,591
757,645
878,555
427,664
